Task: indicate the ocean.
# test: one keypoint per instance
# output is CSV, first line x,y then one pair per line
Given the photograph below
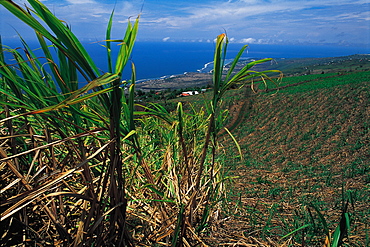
x,y
162,59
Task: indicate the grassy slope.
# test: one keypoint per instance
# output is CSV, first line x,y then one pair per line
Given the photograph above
x,y
301,145
303,66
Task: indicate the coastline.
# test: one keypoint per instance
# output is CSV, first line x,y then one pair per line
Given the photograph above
x,y
201,78
190,79
289,66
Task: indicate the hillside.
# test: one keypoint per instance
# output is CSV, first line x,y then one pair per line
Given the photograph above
x,y
82,164
290,67
304,66
305,146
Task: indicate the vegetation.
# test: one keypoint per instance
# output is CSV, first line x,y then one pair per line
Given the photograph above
x,y
311,66
82,167
305,173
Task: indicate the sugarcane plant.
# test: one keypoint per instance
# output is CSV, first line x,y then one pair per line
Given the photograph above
x,y
59,136
81,166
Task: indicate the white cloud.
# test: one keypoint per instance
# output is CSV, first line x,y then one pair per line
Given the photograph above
x,y
267,21
248,40
166,39
273,19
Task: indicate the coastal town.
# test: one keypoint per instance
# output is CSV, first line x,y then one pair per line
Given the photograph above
x,y
175,82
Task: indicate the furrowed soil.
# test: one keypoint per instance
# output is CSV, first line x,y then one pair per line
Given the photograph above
x,y
302,150
306,158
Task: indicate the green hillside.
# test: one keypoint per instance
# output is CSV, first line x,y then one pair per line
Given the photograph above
x,y
304,66
104,165
306,149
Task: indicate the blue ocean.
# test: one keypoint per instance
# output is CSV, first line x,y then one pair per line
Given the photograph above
x,y
155,60
160,59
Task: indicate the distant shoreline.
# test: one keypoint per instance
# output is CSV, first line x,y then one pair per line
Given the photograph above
x,y
156,60
190,79
289,66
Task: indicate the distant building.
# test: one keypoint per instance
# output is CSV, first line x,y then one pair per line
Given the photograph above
x,y
189,93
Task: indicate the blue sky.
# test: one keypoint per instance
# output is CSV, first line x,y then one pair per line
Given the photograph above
x,y
345,22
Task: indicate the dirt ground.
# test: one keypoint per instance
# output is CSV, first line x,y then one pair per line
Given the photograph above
x,y
299,150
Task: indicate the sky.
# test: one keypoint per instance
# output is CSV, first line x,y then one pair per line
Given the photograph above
x,y
339,22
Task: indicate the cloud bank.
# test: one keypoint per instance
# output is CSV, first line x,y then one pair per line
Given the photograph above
x,y
247,21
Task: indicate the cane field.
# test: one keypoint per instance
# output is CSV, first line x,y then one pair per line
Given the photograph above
x,y
305,162
259,159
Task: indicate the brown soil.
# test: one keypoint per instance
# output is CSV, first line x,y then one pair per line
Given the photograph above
x,y
306,148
